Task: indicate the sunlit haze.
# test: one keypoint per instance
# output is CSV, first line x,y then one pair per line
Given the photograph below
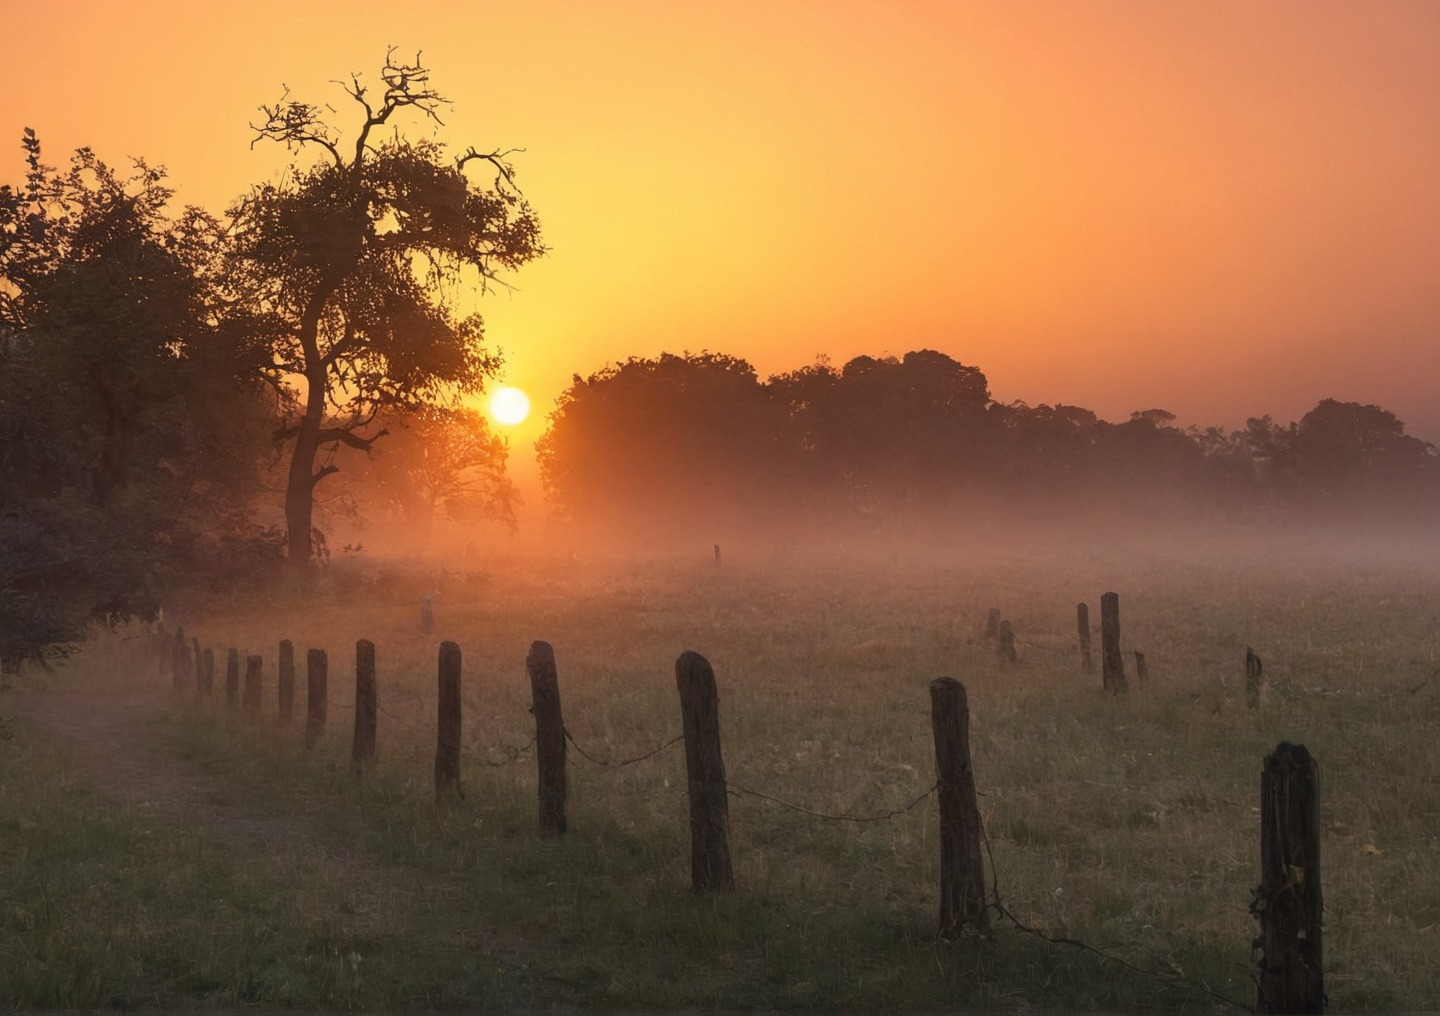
x,y
509,405
1222,209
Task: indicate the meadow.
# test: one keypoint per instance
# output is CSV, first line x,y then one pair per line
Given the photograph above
x,y
1129,825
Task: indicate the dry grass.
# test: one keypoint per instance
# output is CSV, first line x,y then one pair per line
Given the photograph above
x,y
1128,825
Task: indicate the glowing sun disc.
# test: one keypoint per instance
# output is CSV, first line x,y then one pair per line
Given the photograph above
x,y
509,405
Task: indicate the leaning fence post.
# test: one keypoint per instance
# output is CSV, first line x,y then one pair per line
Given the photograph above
x,y
705,770
1289,974
1112,664
206,681
253,665
285,681
232,677
1254,675
317,674
549,736
1082,621
962,870
447,736
363,749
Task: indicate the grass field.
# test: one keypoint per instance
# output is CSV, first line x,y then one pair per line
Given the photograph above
x,y
1127,825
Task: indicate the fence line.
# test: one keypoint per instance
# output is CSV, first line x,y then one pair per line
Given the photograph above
x,y
964,901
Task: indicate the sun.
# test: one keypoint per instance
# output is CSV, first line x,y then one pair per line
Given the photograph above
x,y
509,405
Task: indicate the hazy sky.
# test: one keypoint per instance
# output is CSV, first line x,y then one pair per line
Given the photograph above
x,y
1222,208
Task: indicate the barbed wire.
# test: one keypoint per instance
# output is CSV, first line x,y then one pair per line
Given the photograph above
x,y
627,762
513,755
1175,979
737,791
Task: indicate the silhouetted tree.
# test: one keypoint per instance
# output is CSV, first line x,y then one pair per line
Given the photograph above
x,y
913,431
349,270
1357,458
439,464
675,443
114,460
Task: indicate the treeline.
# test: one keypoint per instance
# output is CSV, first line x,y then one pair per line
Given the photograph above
x,y
697,443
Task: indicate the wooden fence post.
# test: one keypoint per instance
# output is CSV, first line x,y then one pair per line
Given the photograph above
x,y
1289,974
206,681
1007,642
427,616
962,868
1254,676
363,749
1082,622
1112,664
232,678
180,665
549,736
285,681
447,736
197,661
317,676
705,771
160,643
717,555
253,665
1142,670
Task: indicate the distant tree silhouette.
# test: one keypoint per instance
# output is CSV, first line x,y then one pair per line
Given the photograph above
x,y
915,441
348,270
1354,458
437,464
672,444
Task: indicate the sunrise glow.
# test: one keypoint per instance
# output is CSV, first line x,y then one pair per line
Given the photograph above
x,y
509,406
1223,209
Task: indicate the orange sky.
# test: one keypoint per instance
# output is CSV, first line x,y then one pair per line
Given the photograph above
x,y
1221,208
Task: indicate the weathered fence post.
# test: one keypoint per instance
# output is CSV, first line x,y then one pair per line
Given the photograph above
x,y
992,624
363,749
1112,664
285,681
317,676
1082,622
427,616
705,771
1142,671
161,644
180,666
549,736
1289,974
1007,642
206,680
253,665
447,736
962,869
1254,676
197,661
232,678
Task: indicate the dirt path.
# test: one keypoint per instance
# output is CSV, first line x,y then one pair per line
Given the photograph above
x,y
112,739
